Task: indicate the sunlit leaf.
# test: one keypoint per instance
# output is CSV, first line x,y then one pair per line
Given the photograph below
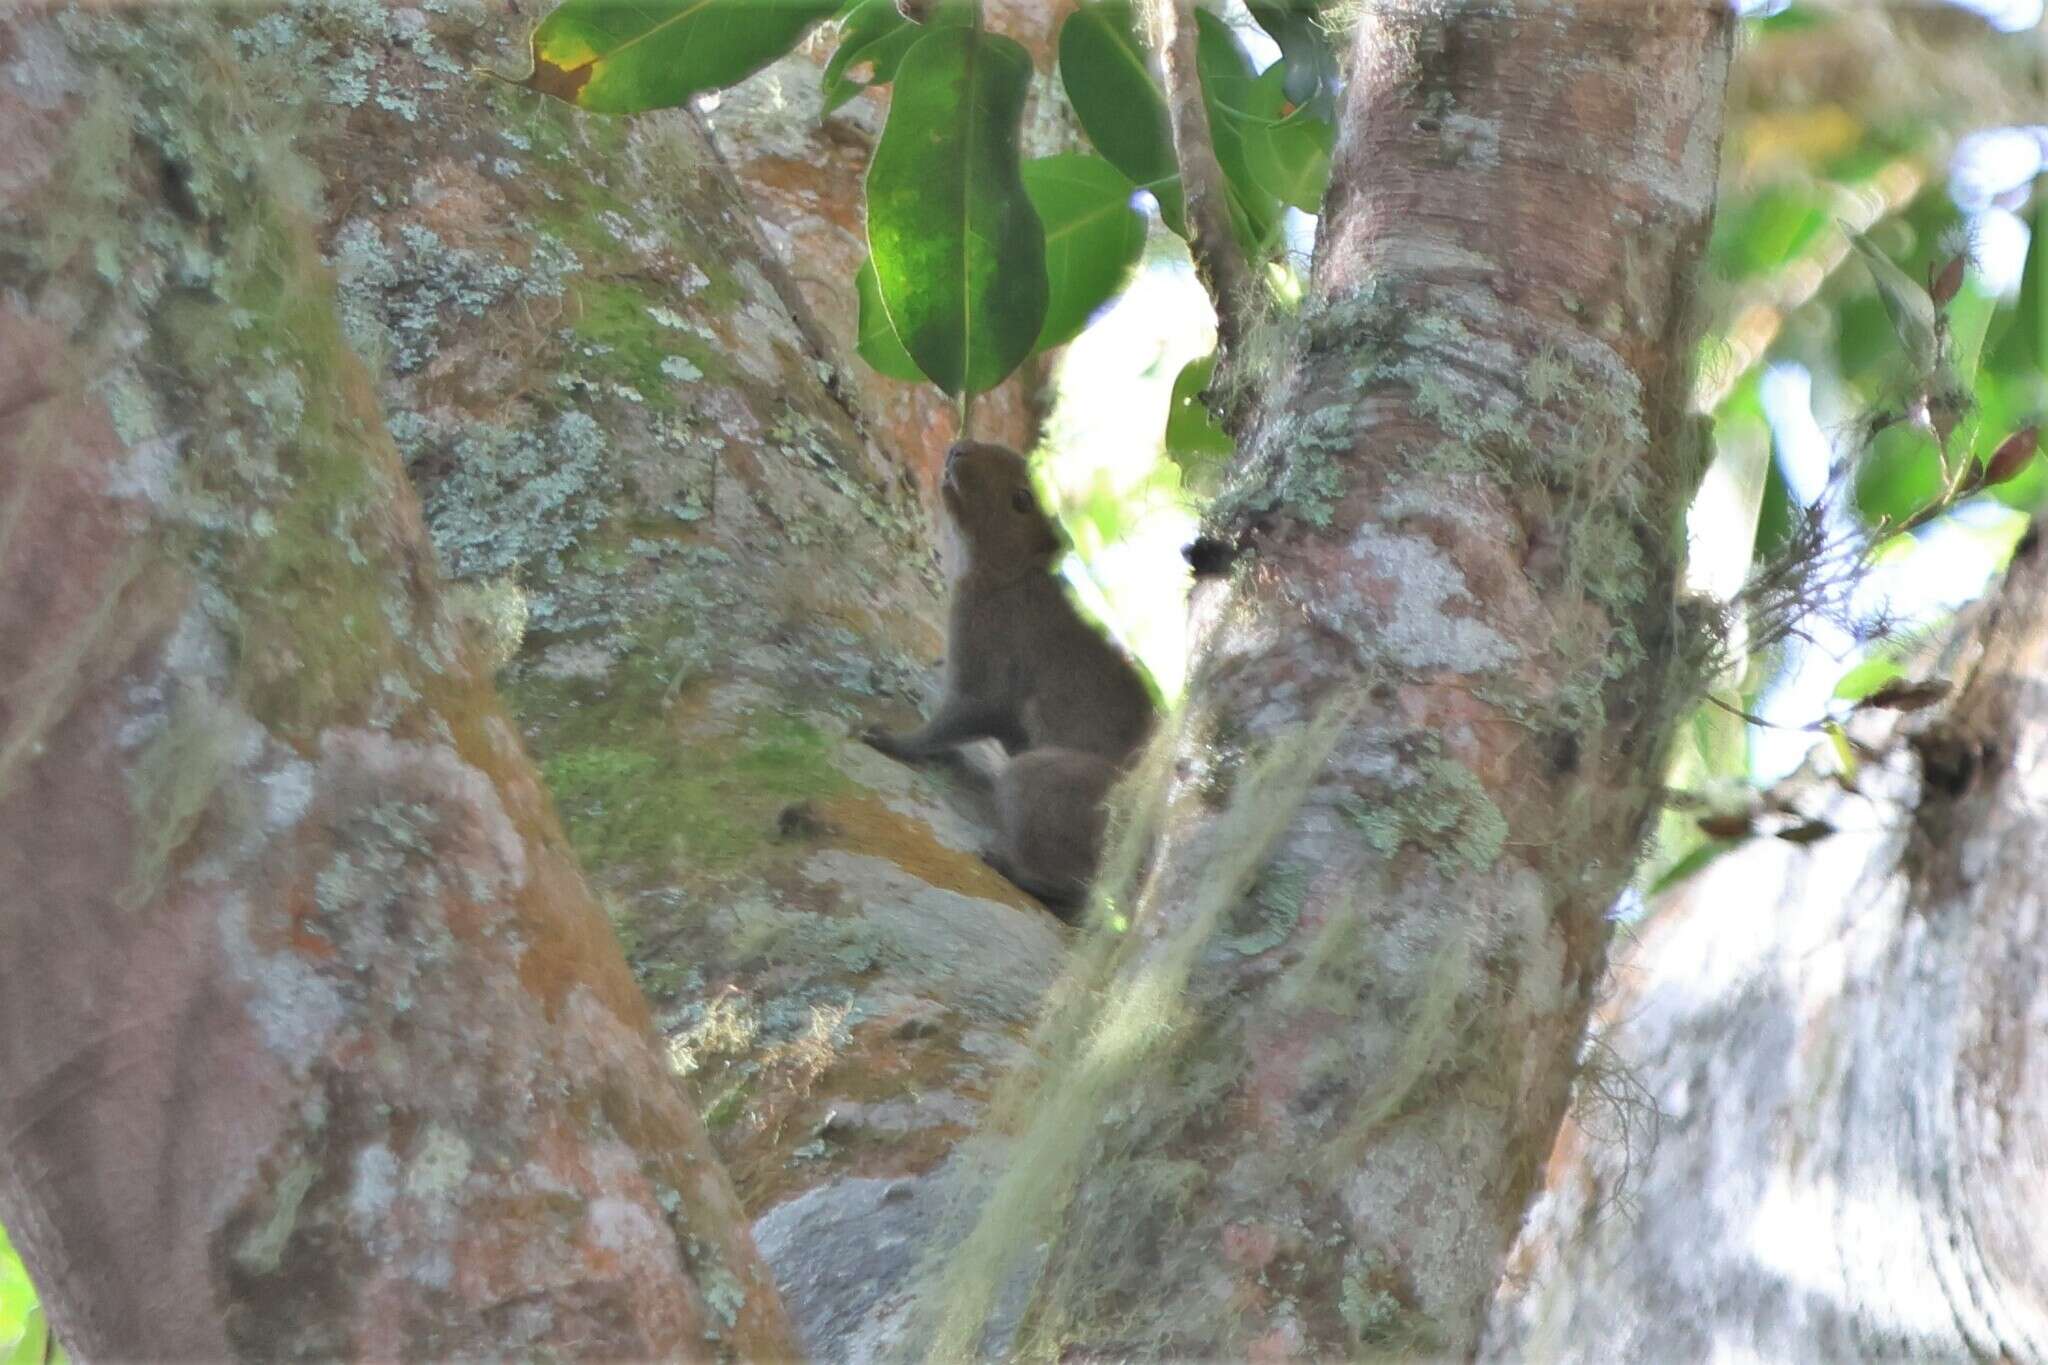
x,y
958,251
1845,753
1093,237
1193,440
1119,105
628,56
878,343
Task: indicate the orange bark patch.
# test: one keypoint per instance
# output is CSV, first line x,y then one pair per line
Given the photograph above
x,y
862,824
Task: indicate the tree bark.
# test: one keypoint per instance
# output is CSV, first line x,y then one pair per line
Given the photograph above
x,y
1850,1112
312,1040
700,577
1299,1108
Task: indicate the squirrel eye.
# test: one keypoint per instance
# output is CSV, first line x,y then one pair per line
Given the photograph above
x,y
1021,500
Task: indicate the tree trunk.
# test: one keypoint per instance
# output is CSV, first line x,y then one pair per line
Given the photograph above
x,y
700,578
312,1040
1851,1138
1299,1108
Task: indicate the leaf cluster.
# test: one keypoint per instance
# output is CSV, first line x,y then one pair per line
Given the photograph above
x,y
980,257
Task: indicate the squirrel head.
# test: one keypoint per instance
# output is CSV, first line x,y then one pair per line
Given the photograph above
x,y
987,491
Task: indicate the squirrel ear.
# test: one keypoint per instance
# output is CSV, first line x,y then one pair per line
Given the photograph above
x,y
1022,501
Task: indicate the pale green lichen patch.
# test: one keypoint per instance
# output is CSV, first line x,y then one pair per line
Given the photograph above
x,y
1445,811
262,1250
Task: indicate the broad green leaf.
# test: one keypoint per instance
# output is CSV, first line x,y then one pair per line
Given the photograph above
x,y
1193,440
1092,238
1118,103
1288,154
1905,303
629,56
878,344
1229,89
1307,56
959,253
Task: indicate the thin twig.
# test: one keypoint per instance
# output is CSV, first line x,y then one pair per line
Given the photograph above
x,y
1217,258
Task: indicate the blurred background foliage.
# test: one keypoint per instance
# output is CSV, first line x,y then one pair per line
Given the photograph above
x,y
1919,126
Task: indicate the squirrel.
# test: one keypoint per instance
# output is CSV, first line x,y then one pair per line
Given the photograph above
x,y
1025,669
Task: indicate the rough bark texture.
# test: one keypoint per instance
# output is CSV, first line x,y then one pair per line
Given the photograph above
x,y
312,1040
624,440
698,577
1299,1109
1843,1048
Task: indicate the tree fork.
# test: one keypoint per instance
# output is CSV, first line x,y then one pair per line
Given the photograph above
x,y
1299,1108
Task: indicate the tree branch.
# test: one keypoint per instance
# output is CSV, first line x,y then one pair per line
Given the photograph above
x,y
1218,261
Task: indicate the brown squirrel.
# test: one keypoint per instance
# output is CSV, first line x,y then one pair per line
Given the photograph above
x,y
1023,668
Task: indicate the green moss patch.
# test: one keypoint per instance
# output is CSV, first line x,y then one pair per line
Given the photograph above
x,y
650,804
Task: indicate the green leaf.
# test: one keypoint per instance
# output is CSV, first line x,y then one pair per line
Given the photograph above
x,y
1969,318
2025,343
1288,154
879,344
1120,106
1898,476
1869,675
1193,440
875,34
959,253
1306,54
1230,90
1093,237
1845,752
1905,303
629,56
